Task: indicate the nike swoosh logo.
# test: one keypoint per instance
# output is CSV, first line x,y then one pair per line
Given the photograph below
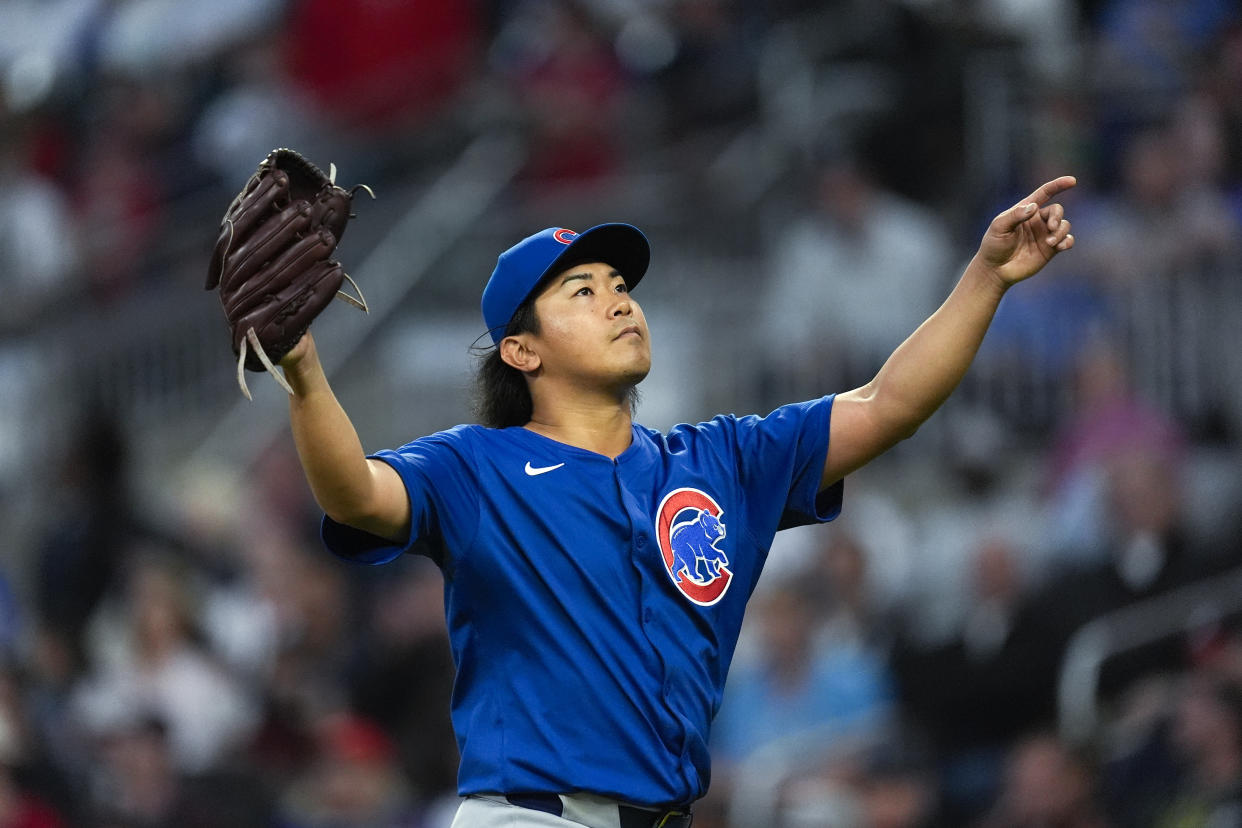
x,y
532,471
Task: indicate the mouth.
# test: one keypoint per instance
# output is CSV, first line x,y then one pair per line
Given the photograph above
x,y
629,330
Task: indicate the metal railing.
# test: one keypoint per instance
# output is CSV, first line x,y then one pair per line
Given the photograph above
x,y
1146,622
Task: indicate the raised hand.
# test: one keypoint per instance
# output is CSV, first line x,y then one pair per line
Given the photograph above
x,y
1024,238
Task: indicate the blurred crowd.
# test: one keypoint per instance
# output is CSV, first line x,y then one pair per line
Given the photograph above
x,y
902,666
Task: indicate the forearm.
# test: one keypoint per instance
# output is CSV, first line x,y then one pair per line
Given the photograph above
x,y
923,371
336,467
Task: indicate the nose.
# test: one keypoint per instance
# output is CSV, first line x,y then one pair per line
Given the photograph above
x,y
624,306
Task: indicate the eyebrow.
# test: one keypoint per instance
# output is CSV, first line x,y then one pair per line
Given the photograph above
x,y
586,276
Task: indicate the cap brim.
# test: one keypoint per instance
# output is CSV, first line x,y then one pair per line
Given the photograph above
x,y
621,245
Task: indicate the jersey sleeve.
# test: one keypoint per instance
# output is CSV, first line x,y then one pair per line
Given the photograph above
x,y
436,471
780,461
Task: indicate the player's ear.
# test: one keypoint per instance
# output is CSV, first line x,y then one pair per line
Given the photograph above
x,y
517,353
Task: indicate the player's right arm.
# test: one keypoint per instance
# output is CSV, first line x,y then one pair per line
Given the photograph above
x,y
352,489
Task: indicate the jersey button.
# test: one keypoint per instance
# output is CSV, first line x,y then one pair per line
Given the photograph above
x,y
648,615
641,541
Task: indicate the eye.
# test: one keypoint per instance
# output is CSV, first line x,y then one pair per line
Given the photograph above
x,y
622,288
586,291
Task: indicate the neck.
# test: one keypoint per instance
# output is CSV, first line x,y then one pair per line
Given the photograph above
x,y
601,426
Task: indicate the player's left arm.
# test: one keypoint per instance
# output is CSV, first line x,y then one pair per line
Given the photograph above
x,y
924,370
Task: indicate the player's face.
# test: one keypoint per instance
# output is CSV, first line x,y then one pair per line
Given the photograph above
x,y
591,328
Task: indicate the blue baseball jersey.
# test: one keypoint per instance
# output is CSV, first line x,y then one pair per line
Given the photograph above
x,y
593,604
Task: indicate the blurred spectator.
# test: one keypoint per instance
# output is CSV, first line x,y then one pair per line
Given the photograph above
x,y
39,251
83,549
1148,552
307,674
404,677
885,783
849,615
139,784
990,684
257,109
241,619
29,787
897,791
862,564
1197,126
1220,76
1125,255
713,76
21,809
797,686
1040,334
1206,738
118,197
1169,294
317,645
10,620
40,47
281,498
24,371
569,85
355,782
153,38
156,667
1144,54
1174,755
1109,420
14,731
1046,784
392,64
1046,32
850,280
46,688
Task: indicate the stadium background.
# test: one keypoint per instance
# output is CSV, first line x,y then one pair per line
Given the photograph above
x,y
1025,617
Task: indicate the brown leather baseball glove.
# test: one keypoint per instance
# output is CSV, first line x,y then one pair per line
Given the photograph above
x,y
272,260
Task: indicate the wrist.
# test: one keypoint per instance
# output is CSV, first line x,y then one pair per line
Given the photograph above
x,y
986,277
303,369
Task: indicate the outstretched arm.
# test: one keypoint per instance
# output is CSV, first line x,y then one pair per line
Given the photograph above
x,y
924,370
352,489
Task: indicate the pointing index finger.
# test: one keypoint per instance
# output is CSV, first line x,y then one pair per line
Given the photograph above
x,y
1051,189
1007,221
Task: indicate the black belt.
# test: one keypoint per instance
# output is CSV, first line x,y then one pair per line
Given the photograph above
x,y
631,817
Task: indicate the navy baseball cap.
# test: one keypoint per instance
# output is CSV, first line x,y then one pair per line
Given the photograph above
x,y
521,268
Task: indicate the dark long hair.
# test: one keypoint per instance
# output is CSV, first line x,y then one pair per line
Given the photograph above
x,y
501,394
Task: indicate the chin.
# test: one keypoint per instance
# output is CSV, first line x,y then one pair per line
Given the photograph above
x,y
638,371
632,375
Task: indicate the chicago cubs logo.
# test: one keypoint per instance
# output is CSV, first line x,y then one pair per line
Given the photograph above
x,y
564,236
688,527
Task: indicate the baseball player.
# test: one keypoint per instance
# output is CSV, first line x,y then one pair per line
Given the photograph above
x,y
596,571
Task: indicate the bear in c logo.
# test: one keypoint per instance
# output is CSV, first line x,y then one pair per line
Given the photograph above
x,y
564,236
688,530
